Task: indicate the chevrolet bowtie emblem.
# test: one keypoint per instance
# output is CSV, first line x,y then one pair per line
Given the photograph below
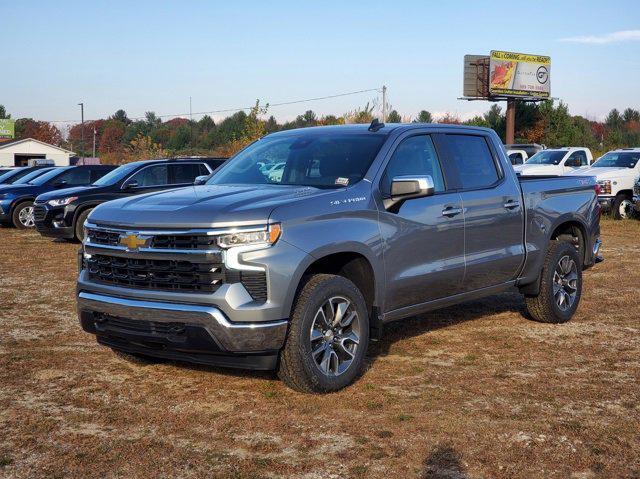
x,y
133,241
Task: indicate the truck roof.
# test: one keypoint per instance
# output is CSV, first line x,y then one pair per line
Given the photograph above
x,y
384,128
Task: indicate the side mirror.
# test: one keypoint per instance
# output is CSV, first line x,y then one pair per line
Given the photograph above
x,y
129,185
201,180
408,187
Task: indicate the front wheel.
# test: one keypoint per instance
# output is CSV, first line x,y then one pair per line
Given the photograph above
x,y
328,336
622,208
560,285
22,217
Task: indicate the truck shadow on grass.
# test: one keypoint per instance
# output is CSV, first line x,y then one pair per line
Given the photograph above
x,y
399,330
443,318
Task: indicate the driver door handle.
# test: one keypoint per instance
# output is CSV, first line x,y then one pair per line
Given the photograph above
x,y
451,211
511,204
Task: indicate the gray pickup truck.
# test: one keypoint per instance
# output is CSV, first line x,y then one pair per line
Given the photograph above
x,y
297,270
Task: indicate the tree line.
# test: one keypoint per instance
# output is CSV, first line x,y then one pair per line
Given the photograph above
x,y
120,139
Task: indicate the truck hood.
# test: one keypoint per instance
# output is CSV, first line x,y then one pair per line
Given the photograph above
x,y
203,206
534,170
609,173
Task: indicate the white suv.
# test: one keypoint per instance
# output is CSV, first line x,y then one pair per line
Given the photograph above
x,y
616,172
556,162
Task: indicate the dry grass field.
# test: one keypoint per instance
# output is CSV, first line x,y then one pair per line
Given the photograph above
x,y
473,391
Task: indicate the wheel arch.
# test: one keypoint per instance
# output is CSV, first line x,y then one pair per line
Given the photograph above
x,y
350,262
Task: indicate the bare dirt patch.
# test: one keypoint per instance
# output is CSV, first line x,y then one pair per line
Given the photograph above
x,y
471,391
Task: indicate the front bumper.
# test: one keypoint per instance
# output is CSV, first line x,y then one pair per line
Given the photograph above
x,y
52,221
193,333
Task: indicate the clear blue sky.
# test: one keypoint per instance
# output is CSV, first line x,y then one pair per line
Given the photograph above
x,y
153,55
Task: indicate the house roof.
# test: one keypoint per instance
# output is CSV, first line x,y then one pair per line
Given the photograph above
x,y
4,144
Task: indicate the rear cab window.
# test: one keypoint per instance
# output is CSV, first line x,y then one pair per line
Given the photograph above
x,y
474,160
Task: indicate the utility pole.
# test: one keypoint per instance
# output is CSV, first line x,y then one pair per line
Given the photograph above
x,y
82,128
511,121
190,124
94,141
384,103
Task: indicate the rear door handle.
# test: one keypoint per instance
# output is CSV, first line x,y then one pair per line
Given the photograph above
x,y
511,205
451,211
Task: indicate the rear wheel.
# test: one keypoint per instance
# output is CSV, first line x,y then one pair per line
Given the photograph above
x,y
22,217
560,285
328,336
622,207
79,227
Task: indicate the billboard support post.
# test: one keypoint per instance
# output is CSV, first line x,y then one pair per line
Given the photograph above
x,y
511,121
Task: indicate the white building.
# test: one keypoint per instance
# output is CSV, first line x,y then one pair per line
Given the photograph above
x,y
19,152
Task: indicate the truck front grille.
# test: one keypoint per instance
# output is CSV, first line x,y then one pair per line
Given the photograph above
x,y
184,242
162,275
188,262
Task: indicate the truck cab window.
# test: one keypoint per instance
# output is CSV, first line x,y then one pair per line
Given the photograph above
x,y
414,156
475,163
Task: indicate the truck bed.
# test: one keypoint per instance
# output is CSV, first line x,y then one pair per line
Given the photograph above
x,y
552,200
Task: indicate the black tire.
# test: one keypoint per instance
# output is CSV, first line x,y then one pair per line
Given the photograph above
x,y
78,228
298,367
19,211
139,359
544,307
622,207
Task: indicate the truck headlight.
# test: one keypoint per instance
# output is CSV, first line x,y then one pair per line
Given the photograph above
x,y
251,238
605,186
62,201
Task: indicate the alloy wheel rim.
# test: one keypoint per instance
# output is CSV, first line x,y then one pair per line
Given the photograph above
x,y
565,283
335,336
26,217
625,209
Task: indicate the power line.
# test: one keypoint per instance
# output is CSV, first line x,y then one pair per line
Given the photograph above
x,y
228,110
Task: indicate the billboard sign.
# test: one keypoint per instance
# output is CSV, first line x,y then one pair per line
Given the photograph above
x,y
519,75
7,128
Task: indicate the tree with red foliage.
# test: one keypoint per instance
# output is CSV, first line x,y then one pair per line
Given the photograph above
x,y
111,137
38,130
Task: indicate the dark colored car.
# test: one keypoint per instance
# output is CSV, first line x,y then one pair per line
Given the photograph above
x,y
9,176
61,213
16,200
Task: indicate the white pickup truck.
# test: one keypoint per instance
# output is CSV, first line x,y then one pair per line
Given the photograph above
x,y
556,162
616,173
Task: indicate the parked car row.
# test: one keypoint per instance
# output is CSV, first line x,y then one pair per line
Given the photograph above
x,y
617,173
57,200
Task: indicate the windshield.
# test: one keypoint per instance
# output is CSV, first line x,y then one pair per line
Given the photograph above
x,y
34,174
547,157
618,160
322,159
116,175
42,179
